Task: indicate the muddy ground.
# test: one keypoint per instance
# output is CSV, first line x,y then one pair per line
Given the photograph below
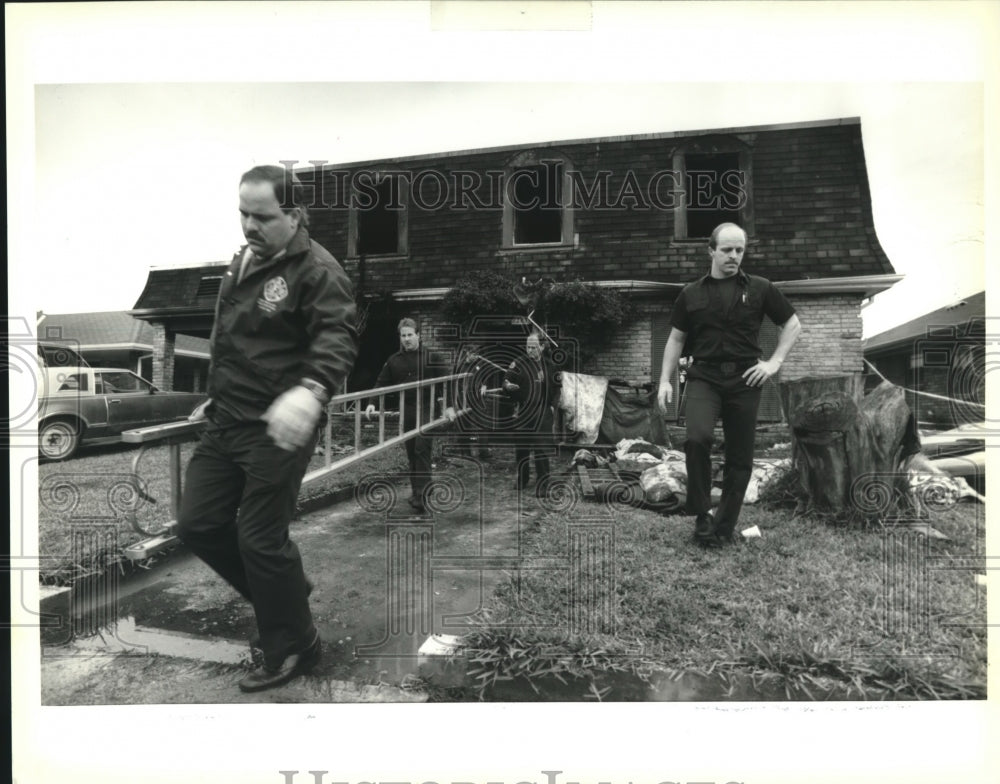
x,y
180,634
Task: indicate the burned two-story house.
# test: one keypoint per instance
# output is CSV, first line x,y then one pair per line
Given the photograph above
x,y
630,212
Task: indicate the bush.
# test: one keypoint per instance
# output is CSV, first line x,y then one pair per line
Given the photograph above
x,y
590,315
483,293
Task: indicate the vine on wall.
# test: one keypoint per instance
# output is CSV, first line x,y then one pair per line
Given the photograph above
x,y
589,315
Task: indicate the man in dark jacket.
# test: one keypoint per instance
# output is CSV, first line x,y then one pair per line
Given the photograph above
x,y
410,364
284,339
532,382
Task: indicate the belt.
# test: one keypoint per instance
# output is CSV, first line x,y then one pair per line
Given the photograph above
x,y
728,367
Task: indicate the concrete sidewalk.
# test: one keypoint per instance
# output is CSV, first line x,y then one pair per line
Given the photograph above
x,y
100,679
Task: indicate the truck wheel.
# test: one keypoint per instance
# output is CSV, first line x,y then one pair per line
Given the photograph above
x,y
58,439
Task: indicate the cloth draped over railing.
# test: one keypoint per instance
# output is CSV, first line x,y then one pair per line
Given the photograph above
x,y
581,400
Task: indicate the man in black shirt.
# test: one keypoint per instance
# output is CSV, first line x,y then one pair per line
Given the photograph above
x,y
716,320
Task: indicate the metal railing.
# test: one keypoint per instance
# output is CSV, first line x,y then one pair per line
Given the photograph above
x,y
175,434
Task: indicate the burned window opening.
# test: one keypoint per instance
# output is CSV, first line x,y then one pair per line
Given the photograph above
x,y
714,191
378,223
536,202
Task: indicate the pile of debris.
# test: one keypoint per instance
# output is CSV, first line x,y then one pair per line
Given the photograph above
x,y
656,476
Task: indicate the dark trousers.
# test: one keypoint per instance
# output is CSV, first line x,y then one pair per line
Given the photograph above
x,y
522,455
464,444
238,501
533,436
712,395
418,455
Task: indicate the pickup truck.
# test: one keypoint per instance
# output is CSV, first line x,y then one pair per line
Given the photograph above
x,y
85,405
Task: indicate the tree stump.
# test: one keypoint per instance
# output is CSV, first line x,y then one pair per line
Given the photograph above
x,y
848,448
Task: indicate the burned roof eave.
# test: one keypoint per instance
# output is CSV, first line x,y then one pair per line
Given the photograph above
x,y
865,285
625,139
632,286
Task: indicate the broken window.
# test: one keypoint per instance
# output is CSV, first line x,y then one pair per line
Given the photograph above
x,y
713,191
378,217
536,195
717,184
537,203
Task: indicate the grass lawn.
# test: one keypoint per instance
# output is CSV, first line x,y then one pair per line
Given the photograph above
x,y
811,605
808,605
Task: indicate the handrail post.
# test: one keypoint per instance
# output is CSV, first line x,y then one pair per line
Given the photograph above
x,y
357,428
175,479
381,419
328,437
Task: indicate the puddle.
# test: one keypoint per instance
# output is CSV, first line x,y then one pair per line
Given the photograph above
x,y
125,636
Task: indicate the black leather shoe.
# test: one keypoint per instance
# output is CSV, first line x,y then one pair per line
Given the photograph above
x,y
296,664
704,528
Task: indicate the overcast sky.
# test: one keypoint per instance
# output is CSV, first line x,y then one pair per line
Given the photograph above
x,y
130,176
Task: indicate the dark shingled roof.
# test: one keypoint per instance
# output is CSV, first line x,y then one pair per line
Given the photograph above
x,y
182,287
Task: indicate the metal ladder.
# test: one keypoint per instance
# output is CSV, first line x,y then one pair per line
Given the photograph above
x,y
174,434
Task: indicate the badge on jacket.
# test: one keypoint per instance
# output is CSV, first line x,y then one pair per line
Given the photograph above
x,y
275,290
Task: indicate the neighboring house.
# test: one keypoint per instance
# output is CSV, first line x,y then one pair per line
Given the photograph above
x,y
116,339
633,212
942,353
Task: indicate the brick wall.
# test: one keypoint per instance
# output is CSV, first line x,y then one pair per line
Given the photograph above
x,y
830,342
811,208
163,357
629,356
